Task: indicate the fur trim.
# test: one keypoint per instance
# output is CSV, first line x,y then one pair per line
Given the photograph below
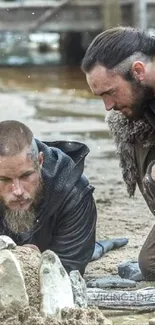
x,y
125,132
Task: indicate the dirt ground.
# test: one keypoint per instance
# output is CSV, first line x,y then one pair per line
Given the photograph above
x,y
118,215
29,261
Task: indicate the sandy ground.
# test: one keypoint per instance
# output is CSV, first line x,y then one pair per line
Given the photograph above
x,y
29,260
118,215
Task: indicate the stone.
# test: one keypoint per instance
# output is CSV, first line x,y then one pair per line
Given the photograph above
x,y
55,286
6,242
12,285
152,321
111,282
130,270
79,289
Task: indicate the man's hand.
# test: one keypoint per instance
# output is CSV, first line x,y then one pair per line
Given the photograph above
x,y
149,182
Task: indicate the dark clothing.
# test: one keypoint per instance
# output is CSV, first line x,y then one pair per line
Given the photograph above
x,y
66,216
135,141
144,156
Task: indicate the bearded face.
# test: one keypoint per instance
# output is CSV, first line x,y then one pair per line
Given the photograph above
x,y
141,94
21,189
19,220
118,92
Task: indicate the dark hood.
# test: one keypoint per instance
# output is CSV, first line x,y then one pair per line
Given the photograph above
x,y
62,168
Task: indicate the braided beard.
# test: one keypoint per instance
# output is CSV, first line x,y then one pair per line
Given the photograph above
x,y
125,133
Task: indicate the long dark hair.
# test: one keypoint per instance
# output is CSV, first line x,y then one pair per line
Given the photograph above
x,y
112,46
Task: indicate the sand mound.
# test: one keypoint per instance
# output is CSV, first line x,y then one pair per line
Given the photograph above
x,y
30,316
29,261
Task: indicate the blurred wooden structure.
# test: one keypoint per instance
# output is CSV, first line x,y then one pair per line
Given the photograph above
x,y
77,21
77,15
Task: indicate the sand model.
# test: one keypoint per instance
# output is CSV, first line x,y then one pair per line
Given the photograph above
x,y
36,290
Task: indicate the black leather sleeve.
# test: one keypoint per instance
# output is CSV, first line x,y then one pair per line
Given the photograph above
x,y
74,236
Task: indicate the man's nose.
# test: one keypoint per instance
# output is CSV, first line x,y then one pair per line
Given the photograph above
x,y
17,187
109,103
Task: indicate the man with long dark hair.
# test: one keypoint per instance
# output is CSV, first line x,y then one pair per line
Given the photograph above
x,y
120,68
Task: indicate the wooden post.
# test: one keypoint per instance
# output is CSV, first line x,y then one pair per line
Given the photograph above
x,y
111,13
140,14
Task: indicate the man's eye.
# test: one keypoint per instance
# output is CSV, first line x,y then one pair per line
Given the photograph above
x,y
4,180
26,175
112,92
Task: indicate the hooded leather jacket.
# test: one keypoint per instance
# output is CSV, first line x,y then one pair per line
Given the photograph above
x,y
66,215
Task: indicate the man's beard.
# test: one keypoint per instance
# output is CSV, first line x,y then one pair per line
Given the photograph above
x,y
19,221
22,220
142,94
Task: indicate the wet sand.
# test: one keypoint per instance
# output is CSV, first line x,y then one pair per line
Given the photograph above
x,y
118,216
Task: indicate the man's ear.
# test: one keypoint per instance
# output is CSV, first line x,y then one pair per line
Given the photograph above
x,y
40,158
138,70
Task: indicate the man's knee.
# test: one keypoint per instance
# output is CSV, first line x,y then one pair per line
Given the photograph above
x,y
147,265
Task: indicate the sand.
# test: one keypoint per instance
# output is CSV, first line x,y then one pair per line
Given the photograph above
x,y
30,316
118,216
29,261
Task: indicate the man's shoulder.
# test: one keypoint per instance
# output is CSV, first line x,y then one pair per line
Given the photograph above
x,y
73,149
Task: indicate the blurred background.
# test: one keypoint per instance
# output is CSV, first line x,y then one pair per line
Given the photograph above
x,y
58,32
42,44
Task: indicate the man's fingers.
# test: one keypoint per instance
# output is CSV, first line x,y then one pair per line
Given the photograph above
x,y
150,172
153,173
149,182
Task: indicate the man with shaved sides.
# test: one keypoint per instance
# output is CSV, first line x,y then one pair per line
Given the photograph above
x,y
45,199
119,65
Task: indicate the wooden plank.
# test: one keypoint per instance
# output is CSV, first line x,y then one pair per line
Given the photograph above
x,y
42,4
127,2
48,14
66,19
92,26
52,3
142,299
